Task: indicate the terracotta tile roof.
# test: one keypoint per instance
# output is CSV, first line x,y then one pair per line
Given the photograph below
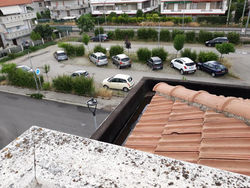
x,y
14,2
192,126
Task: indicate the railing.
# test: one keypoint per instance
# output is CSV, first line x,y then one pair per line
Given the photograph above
x,y
69,7
18,17
13,35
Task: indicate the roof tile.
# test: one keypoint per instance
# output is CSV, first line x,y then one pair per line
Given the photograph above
x,y
185,156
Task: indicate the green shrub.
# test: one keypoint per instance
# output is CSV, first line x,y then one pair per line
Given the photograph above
x,y
99,30
83,86
72,50
36,95
165,35
35,36
142,33
115,50
46,86
176,32
207,56
111,35
99,48
188,53
190,36
225,48
2,78
147,34
233,37
160,52
152,34
179,42
219,34
143,54
212,19
63,83
123,34
205,36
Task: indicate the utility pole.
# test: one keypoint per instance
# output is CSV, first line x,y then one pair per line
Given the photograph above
x,y
247,21
159,32
243,12
34,74
228,13
183,15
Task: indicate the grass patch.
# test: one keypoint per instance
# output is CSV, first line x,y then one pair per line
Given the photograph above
x,y
231,74
104,93
226,63
71,39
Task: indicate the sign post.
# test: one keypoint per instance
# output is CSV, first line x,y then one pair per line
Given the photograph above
x,y
38,74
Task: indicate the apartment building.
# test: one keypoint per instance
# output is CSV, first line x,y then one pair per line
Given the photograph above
x,y
193,7
67,9
38,5
99,7
15,22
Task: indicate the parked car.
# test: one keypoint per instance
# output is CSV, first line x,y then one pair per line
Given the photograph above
x,y
218,40
80,73
100,37
184,65
119,81
60,55
99,58
155,63
212,67
26,44
25,68
121,60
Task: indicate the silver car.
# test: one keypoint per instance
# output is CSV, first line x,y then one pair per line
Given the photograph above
x,y
99,58
121,60
60,55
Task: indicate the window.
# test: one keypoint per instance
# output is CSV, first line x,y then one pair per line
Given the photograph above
x,y
17,27
80,12
211,65
68,13
40,4
58,13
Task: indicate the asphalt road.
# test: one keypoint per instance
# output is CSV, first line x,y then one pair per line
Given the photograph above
x,y
19,113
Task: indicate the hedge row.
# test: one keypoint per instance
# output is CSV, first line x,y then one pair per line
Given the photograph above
x,y
72,50
77,85
18,77
201,57
166,35
143,54
212,19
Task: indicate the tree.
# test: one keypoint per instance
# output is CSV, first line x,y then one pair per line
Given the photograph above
x,y
46,14
38,15
179,42
225,48
85,39
46,70
85,23
139,13
45,31
35,36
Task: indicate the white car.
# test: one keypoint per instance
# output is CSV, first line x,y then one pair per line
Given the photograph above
x,y
119,81
184,65
25,68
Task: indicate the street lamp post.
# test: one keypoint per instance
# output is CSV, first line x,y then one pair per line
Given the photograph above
x,y
92,104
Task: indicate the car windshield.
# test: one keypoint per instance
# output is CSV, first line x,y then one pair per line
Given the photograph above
x,y
61,54
189,64
110,79
130,79
25,68
125,59
157,62
102,57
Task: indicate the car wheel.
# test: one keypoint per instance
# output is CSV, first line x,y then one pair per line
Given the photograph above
x,y
171,65
106,87
209,45
125,89
182,72
213,74
129,66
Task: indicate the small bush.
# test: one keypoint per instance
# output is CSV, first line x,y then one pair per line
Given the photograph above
x,y
123,34
205,36
36,96
143,54
176,32
111,35
104,93
233,37
188,53
207,56
142,33
83,86
99,48
179,42
99,30
160,52
190,36
225,48
219,34
72,50
46,86
2,78
115,50
165,35
63,83
147,34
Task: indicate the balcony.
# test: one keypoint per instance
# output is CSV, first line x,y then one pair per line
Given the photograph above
x,y
17,34
17,17
193,11
71,7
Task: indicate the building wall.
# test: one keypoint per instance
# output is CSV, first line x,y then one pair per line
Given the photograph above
x,y
170,7
38,6
16,27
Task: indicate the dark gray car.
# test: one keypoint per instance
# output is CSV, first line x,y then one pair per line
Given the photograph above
x,y
155,63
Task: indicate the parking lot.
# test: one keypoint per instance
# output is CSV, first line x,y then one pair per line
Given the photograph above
x,y
239,61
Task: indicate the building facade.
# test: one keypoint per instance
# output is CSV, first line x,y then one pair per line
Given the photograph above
x,y
193,7
38,6
99,7
15,22
67,9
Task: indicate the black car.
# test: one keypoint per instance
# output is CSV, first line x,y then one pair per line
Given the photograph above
x,y
155,63
212,67
100,37
218,40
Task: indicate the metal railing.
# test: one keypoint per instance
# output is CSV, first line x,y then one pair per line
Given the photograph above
x,y
13,35
18,17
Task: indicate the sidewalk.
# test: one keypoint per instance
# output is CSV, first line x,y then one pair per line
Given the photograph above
x,y
104,104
